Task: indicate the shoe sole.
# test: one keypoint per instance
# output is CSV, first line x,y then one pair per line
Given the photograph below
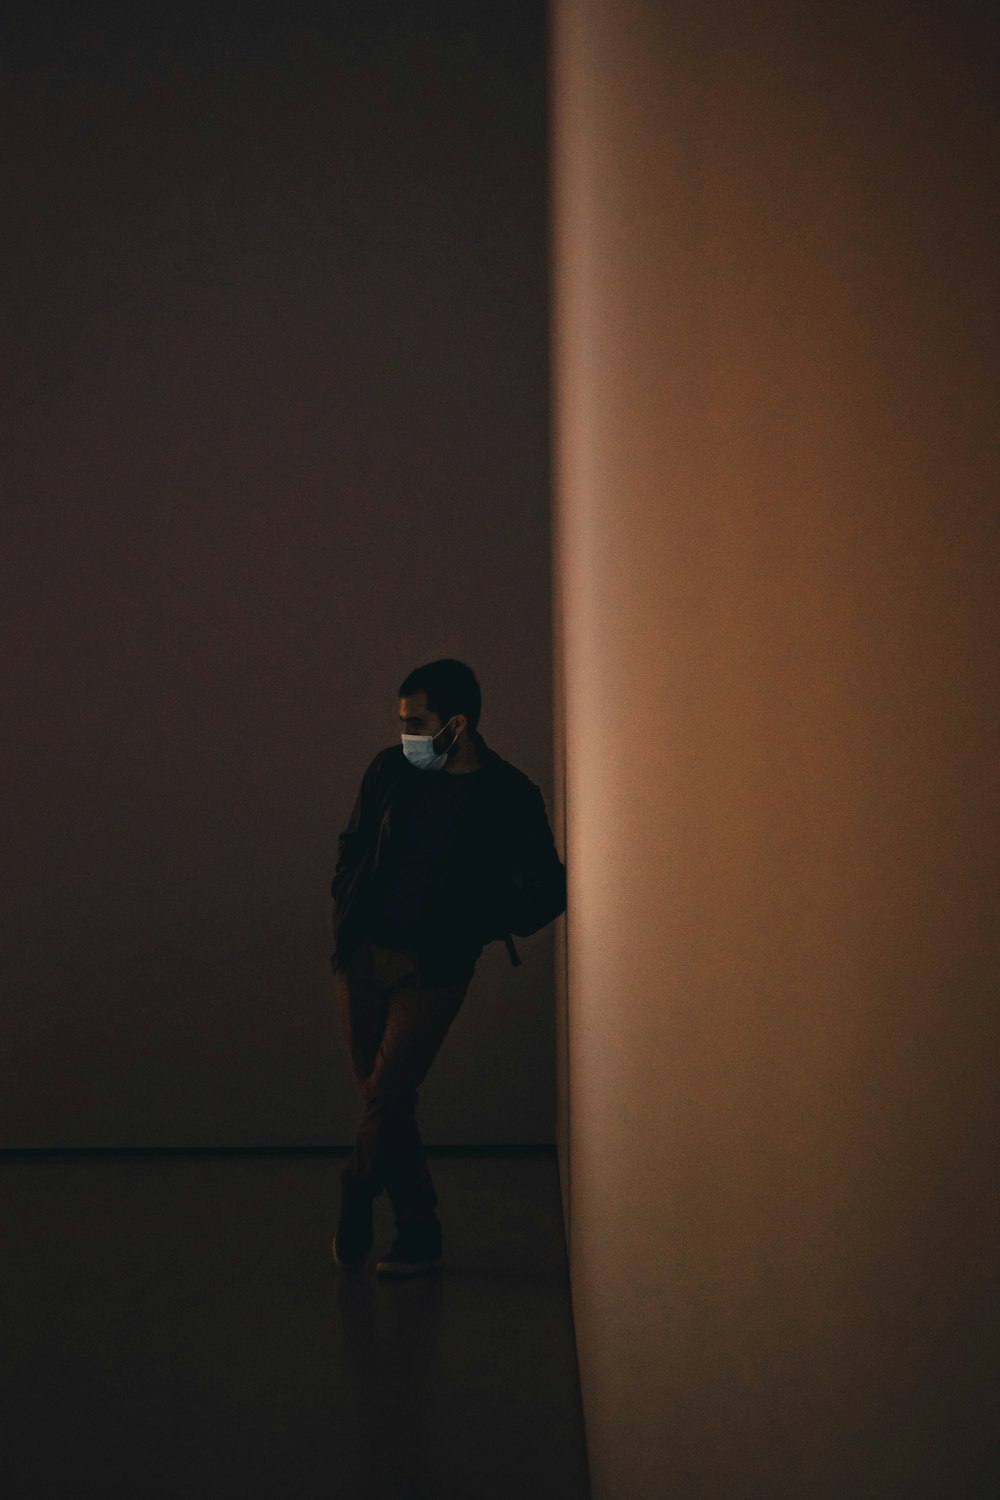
x,y
409,1267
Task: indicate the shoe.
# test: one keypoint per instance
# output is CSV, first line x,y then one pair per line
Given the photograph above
x,y
352,1242
416,1248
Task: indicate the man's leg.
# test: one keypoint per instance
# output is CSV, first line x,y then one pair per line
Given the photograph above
x,y
388,1141
363,1003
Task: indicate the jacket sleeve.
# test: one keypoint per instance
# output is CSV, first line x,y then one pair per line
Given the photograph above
x,y
351,842
538,875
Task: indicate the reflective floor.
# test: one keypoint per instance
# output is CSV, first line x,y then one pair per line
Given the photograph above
x,y
175,1326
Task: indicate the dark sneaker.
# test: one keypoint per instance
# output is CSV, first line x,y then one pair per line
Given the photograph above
x,y
355,1232
416,1248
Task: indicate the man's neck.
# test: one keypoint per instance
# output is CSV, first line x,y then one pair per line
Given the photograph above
x,y
465,759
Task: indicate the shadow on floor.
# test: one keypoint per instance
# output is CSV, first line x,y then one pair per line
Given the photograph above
x,y
174,1326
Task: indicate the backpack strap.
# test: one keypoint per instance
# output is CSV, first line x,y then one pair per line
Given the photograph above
x,y
515,957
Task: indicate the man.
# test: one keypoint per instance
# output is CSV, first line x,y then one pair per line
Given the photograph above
x,y
448,848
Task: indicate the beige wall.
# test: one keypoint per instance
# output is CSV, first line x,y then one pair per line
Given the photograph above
x,y
776,330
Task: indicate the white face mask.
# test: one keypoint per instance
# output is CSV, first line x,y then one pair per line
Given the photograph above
x,y
419,750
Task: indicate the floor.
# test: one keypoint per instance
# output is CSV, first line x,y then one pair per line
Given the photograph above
x,y
173,1325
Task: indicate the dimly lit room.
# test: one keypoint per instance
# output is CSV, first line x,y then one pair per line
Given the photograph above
x,y
501,917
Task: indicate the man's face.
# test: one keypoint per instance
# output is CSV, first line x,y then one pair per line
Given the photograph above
x,y
416,718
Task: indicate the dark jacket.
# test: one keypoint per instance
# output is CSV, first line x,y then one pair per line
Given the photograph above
x,y
509,878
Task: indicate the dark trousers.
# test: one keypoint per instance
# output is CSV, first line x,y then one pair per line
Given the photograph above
x,y
393,1026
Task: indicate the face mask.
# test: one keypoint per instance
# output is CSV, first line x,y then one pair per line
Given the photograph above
x,y
419,750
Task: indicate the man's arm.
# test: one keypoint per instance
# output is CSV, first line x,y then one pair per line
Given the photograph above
x,y
351,842
539,875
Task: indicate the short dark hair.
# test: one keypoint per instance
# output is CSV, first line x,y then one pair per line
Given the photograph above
x,y
451,688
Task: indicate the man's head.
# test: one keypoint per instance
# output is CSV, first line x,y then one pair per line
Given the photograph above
x,y
442,693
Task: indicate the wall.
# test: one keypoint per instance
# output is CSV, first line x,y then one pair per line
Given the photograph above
x,y
276,411
775,257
